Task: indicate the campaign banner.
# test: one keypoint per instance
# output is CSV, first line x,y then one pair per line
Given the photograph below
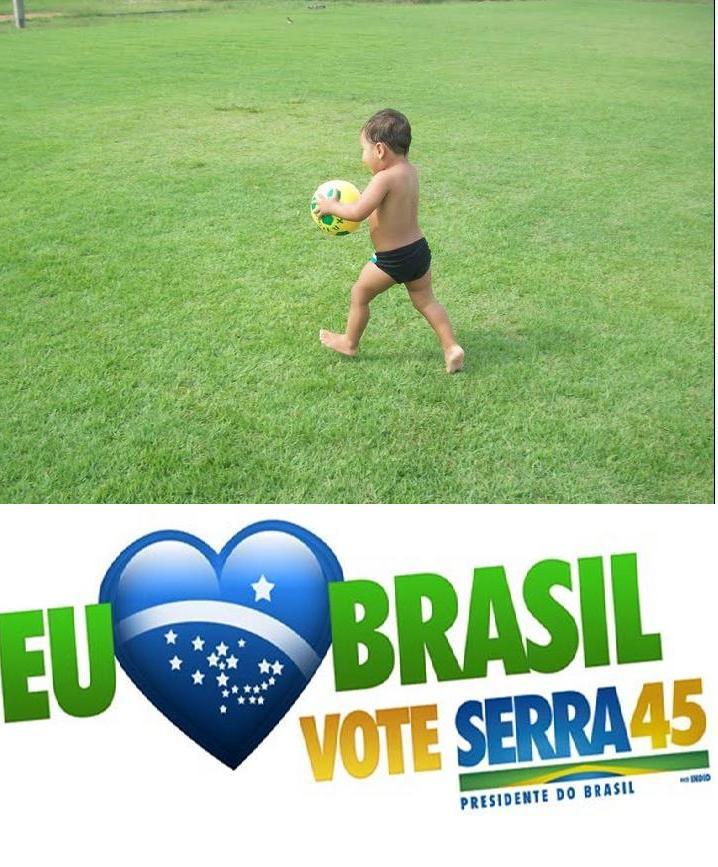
x,y
223,683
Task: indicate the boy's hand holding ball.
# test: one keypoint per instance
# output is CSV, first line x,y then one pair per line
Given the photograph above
x,y
324,204
323,207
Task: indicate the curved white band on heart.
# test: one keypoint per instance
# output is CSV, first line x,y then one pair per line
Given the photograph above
x,y
281,636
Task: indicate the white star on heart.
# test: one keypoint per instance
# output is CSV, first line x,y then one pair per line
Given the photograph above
x,y
262,589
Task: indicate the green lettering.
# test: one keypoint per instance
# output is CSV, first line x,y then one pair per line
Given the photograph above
x,y
490,591
631,643
17,664
593,611
419,637
97,696
348,633
562,647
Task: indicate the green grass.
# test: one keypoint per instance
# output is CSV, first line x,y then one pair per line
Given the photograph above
x,y
162,285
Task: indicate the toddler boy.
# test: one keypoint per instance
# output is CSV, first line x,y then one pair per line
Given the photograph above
x,y
391,202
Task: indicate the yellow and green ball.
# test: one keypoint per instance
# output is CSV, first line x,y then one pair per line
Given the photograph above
x,y
332,225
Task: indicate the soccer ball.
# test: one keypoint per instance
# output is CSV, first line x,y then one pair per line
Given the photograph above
x,y
347,193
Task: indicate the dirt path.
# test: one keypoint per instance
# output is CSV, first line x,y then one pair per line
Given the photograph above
x,y
30,15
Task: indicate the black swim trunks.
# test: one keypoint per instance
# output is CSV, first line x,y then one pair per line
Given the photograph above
x,y
405,263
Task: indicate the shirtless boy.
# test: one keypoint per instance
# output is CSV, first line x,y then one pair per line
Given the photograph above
x,y
391,202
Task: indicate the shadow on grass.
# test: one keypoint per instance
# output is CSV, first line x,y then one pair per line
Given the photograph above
x,y
484,348
496,347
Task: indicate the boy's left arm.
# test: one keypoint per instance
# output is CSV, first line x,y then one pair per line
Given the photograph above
x,y
357,211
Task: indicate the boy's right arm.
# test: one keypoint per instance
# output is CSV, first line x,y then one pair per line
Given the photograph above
x,y
369,201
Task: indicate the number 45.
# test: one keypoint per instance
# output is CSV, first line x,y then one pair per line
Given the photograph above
x,y
649,717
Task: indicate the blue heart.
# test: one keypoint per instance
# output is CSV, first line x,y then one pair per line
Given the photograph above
x,y
223,644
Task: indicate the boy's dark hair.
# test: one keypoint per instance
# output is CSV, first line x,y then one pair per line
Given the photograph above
x,y
390,127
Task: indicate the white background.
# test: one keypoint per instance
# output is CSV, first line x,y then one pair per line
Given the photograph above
x,y
127,786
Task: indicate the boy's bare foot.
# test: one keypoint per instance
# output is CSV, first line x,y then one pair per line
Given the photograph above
x,y
337,342
454,358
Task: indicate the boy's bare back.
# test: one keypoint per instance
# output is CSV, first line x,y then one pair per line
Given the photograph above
x,y
395,222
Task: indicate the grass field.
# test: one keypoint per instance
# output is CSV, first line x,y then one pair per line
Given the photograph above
x,y
162,285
